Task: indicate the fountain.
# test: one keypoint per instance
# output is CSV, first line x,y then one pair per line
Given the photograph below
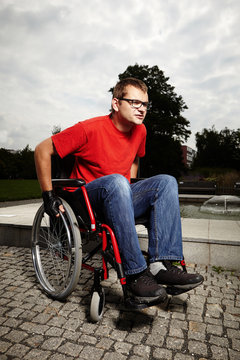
x,y
222,204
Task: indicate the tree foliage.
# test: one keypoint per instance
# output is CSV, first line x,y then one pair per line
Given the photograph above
x,y
166,127
218,149
17,164
56,129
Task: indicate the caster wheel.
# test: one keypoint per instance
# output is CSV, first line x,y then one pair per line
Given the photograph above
x,y
97,305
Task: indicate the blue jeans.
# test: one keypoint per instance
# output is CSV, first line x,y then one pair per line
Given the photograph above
x,y
119,203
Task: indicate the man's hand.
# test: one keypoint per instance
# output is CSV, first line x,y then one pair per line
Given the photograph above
x,y
52,204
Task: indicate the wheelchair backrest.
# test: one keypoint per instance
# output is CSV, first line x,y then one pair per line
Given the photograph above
x,y
62,168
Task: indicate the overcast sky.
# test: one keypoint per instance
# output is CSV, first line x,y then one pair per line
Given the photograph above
x,y
59,58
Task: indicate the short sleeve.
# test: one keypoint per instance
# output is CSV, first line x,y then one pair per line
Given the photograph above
x,y
70,140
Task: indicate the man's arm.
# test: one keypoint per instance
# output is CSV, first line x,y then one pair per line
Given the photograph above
x,y
42,156
134,168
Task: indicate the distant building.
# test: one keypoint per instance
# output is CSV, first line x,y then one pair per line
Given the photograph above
x,y
188,155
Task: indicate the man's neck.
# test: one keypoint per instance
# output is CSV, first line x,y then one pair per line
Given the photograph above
x,y
123,126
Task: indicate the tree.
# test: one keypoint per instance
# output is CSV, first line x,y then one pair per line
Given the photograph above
x,y
7,164
27,165
218,149
17,164
166,127
56,129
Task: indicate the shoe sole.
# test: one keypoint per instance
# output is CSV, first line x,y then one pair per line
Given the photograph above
x,y
180,289
187,286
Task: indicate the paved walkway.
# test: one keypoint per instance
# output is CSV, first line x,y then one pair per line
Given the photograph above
x,y
201,324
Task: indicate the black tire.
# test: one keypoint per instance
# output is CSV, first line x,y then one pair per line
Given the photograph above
x,y
57,252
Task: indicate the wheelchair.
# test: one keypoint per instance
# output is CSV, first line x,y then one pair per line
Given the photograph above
x,y
57,245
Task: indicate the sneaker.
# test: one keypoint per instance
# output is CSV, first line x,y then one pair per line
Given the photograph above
x,y
174,276
144,288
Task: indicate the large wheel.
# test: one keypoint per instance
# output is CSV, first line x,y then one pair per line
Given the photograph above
x,y
97,305
57,252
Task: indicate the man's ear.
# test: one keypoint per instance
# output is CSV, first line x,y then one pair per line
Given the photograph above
x,y
115,104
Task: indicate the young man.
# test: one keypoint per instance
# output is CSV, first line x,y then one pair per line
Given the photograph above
x,y
106,151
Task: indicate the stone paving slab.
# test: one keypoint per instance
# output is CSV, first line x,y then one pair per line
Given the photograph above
x,y
201,324
219,230
19,214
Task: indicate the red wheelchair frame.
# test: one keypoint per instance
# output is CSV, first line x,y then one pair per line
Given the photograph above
x,y
89,226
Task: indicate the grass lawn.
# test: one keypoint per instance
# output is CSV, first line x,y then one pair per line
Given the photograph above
x,y
11,190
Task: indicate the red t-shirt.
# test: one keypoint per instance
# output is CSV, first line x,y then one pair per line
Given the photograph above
x,y
100,148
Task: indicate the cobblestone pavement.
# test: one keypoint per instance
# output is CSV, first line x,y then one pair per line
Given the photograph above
x,y
201,324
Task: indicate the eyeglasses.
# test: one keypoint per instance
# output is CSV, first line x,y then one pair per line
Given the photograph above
x,y
136,104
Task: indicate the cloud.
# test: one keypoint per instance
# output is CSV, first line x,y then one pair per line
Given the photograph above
x,y
59,59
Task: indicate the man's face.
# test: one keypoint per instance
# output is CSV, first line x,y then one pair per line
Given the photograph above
x,y
126,112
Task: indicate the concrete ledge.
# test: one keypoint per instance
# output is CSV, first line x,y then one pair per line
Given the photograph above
x,y
20,236
193,199
213,241
214,252
205,241
15,235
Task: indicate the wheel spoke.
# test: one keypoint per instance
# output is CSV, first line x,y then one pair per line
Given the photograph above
x,y
56,249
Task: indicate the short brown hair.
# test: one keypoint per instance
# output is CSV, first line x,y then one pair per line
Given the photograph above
x,y
119,90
